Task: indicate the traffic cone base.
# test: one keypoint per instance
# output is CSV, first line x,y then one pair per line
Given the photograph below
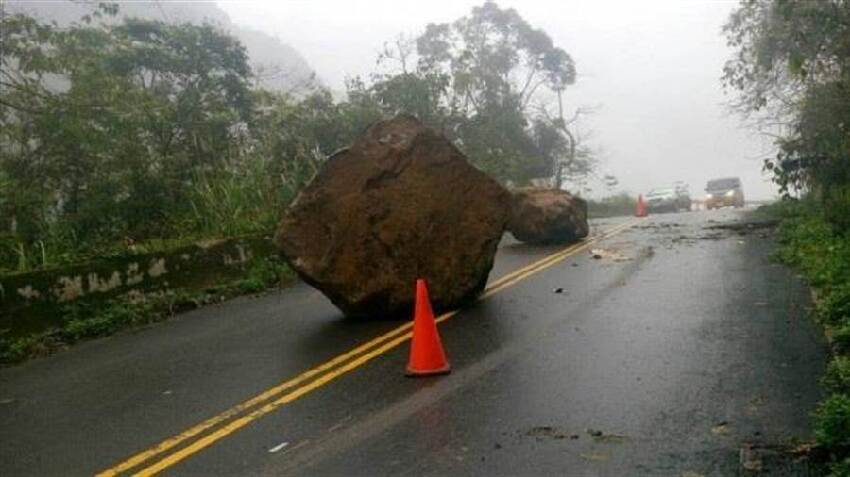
x,y
414,373
427,357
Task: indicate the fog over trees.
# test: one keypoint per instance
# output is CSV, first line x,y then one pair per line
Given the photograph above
x,y
277,65
649,71
139,121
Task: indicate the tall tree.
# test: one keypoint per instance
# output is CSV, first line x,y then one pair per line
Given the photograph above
x,y
108,121
482,79
791,68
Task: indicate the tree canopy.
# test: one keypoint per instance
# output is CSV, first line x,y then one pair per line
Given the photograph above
x,y
791,69
120,130
485,80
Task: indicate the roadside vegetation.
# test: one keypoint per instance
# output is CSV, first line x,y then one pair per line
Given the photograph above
x,y
618,205
122,136
90,319
822,254
791,70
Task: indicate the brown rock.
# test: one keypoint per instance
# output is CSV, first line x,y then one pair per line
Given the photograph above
x,y
547,216
400,203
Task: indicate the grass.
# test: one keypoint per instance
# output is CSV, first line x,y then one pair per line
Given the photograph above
x,y
821,253
83,320
236,201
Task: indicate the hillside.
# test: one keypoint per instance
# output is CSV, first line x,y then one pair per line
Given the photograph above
x,y
277,65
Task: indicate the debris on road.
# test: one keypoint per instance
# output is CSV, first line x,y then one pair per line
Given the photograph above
x,y
543,216
720,429
665,225
595,456
600,253
750,459
278,447
545,432
761,459
558,290
609,438
744,228
401,203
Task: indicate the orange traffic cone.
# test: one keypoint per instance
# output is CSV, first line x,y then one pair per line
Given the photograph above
x,y
640,209
426,351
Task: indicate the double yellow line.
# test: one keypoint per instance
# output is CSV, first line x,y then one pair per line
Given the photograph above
x,y
268,401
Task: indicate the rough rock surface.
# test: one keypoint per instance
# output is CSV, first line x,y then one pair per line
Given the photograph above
x,y
401,203
547,216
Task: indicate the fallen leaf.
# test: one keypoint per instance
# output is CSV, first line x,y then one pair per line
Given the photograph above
x,y
595,456
721,428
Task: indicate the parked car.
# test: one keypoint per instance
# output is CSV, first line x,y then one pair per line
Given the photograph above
x,y
683,196
723,193
662,200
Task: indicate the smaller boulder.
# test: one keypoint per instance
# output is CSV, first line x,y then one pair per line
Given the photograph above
x,y
544,216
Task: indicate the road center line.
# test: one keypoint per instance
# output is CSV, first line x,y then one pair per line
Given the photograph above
x,y
342,364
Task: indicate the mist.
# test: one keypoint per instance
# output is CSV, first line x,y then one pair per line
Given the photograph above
x,y
650,71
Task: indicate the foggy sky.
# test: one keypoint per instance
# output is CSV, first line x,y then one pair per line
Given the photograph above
x,y
652,69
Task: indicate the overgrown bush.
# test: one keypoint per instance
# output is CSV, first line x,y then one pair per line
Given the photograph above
x,y
837,376
817,247
832,423
121,134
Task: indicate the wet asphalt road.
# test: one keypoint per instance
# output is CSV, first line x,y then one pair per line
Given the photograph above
x,y
666,356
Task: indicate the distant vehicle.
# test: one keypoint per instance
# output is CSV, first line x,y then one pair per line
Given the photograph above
x,y
723,193
662,200
683,196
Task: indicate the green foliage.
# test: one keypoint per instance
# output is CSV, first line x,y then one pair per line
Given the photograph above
x,y
103,127
263,273
485,80
832,423
837,376
90,320
840,469
821,252
814,246
840,336
791,68
119,135
84,320
234,201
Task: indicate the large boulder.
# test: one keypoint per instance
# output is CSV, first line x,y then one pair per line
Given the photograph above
x,y
543,216
401,203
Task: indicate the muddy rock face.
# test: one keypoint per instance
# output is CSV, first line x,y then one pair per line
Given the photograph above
x,y
401,203
544,216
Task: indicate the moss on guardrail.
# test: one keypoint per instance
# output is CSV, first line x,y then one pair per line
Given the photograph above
x,y
43,310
